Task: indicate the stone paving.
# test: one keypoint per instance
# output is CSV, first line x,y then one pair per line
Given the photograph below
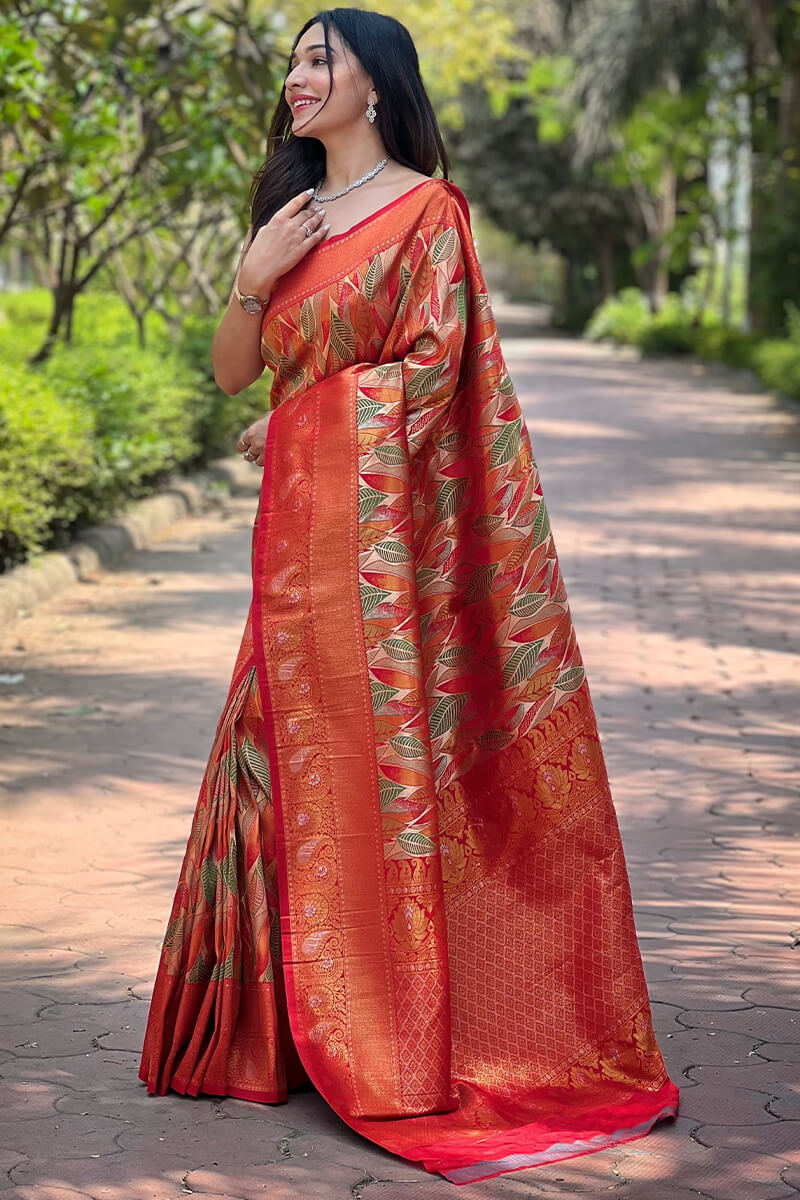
x,y
674,503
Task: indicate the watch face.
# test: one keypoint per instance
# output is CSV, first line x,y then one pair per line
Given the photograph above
x,y
251,304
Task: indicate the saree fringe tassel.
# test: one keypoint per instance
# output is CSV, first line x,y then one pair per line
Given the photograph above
x,y
405,880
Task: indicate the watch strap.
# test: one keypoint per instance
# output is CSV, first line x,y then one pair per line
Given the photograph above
x,y
241,298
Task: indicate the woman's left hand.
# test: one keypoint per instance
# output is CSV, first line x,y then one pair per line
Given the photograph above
x,y
251,442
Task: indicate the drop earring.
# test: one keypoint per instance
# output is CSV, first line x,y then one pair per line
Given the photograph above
x,y
371,112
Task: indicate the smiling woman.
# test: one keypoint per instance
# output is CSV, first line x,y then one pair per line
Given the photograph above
x,y
404,881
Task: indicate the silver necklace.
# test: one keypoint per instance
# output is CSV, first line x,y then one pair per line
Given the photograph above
x,y
350,186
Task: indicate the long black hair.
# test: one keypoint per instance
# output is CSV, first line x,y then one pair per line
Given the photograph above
x,y
405,116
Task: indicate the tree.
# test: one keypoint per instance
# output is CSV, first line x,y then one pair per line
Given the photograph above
x,y
129,124
623,46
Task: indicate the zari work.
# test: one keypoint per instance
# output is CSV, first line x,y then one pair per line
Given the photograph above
x,y
405,879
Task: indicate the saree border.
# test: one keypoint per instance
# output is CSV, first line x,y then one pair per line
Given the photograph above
x,y
333,272
356,954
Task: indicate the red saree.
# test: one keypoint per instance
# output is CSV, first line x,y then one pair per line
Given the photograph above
x,y
405,877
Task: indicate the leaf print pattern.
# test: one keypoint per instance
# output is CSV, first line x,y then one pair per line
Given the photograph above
x,y
417,441
223,924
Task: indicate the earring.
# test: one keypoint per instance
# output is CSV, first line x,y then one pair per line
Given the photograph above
x,y
371,112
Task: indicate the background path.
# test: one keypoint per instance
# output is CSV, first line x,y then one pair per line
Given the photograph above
x,y
674,505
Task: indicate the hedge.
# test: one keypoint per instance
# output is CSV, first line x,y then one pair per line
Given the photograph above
x,y
103,421
626,318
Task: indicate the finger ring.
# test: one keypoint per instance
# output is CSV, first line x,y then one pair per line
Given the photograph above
x,y
308,231
247,453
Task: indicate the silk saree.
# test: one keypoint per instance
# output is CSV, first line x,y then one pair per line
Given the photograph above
x,y
405,881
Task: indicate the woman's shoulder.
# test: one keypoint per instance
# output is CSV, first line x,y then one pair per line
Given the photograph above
x,y
446,193
448,199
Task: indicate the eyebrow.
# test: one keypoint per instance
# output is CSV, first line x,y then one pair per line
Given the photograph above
x,y
317,46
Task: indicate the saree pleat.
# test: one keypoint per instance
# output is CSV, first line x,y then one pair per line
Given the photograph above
x,y
218,1021
450,956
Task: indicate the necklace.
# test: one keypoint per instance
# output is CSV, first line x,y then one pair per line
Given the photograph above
x,y
350,186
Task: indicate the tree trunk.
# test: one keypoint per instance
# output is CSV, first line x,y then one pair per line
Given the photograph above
x,y
666,206
605,266
63,300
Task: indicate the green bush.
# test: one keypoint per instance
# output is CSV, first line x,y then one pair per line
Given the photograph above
x,y
668,333
724,344
623,318
23,323
46,458
143,407
102,421
778,363
221,418
674,330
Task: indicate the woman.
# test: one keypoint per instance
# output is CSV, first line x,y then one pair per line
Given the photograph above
x,y
404,881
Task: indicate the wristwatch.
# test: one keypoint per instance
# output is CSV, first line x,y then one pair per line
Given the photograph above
x,y
250,304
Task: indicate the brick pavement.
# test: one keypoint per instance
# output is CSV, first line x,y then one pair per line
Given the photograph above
x,y
674,504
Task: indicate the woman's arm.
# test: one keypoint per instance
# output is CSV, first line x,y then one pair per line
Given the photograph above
x,y
279,246
236,349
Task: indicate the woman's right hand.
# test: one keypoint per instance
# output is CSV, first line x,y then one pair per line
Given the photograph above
x,y
280,244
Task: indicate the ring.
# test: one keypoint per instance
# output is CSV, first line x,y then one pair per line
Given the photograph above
x,y
248,455
308,231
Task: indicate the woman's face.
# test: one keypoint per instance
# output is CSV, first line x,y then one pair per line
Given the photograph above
x,y
308,76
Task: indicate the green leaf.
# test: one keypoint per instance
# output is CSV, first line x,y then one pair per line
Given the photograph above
x,y
308,322
392,551
449,500
342,339
391,455
408,746
506,446
368,500
365,411
388,792
224,970
541,526
230,760
373,278
399,649
174,931
444,246
480,584
526,606
208,878
416,844
257,765
452,441
461,301
381,694
424,380
228,867
571,680
199,970
520,663
371,597
456,656
445,713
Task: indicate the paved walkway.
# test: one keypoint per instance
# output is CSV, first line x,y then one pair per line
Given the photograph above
x,y
674,502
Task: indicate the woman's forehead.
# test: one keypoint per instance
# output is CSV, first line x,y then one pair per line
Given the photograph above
x,y
314,38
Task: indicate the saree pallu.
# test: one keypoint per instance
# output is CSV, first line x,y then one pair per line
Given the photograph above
x,y
405,879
